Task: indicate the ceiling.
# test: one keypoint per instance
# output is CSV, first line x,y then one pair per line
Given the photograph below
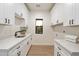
x,y
39,6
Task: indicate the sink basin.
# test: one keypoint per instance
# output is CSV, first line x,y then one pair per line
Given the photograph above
x,y
19,36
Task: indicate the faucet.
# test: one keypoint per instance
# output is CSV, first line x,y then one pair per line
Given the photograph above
x,y
16,33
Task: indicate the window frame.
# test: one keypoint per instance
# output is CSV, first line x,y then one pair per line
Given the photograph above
x,y
36,32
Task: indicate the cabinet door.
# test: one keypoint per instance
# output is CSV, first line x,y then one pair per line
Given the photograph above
x,y
77,13
18,9
25,46
2,9
6,13
9,13
71,14
67,14
15,51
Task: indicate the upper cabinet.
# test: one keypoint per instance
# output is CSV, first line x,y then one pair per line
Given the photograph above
x,y
6,14
70,15
77,13
57,14
14,14
21,13
66,13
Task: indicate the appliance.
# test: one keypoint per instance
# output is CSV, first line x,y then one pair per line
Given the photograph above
x,y
72,38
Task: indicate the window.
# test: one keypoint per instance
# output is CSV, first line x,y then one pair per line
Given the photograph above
x,y
39,26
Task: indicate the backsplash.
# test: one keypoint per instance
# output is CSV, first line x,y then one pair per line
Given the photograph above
x,y
7,31
67,30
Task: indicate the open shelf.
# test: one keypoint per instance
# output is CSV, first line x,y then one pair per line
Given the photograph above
x,y
19,20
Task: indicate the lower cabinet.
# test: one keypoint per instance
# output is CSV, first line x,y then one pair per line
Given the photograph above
x,y
22,48
26,44
60,51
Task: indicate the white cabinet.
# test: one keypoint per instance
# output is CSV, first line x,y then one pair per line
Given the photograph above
x,y
60,51
22,48
68,13
15,51
57,14
6,13
71,14
21,15
26,44
18,9
77,13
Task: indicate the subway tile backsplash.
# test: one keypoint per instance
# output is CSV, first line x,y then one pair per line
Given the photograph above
x,y
68,30
7,31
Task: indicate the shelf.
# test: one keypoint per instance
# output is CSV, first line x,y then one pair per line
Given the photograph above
x,y
18,16
19,20
57,24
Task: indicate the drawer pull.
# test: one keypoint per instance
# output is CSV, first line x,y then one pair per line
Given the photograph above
x,y
59,48
31,38
27,43
5,20
18,47
19,53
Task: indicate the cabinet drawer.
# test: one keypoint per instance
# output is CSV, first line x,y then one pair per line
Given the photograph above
x,y
62,50
14,50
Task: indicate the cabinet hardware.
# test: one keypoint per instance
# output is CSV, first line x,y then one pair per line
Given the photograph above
x,y
72,21
59,48
18,47
8,21
31,38
27,43
19,53
5,20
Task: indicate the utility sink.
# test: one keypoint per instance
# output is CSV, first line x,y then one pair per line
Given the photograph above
x,y
19,36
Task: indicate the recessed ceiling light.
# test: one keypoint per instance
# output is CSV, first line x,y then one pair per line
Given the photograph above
x,y
37,5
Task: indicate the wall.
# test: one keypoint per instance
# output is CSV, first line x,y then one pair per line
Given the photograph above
x,y
41,39
8,31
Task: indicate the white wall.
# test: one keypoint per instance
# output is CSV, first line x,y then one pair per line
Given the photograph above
x,y
8,31
41,39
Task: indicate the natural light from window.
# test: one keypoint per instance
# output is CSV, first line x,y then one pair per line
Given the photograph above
x,y
39,23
